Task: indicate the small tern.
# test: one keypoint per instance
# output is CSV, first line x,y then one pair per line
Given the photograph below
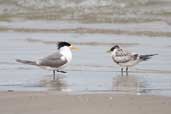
x,y
127,59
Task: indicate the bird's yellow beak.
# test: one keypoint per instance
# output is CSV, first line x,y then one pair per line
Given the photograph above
x,y
74,48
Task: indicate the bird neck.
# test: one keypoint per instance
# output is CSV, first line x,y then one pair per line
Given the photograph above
x,y
66,52
113,53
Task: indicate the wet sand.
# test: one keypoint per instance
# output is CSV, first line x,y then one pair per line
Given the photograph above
x,y
63,103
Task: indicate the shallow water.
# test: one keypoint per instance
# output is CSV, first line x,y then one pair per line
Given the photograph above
x,y
91,70
29,29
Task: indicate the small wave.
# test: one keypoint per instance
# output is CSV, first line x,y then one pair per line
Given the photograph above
x,y
87,10
22,85
153,71
92,31
24,68
41,4
101,68
7,63
137,72
80,43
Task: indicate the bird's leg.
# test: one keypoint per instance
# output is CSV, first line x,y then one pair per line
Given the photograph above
x,y
53,74
122,71
127,71
61,71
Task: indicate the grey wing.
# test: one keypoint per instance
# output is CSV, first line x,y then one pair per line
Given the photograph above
x,y
122,56
53,60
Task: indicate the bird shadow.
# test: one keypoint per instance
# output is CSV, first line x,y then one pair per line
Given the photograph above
x,y
57,84
128,84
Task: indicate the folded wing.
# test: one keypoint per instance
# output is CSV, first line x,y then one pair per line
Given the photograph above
x,y
54,60
123,56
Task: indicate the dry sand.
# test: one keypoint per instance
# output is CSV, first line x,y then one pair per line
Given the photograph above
x,y
60,103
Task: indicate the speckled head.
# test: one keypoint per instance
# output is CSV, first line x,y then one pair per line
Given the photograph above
x,y
114,47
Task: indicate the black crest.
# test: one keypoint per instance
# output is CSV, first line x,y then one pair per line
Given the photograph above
x,y
62,44
114,47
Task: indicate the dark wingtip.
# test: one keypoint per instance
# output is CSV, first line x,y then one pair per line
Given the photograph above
x,y
18,60
153,54
146,57
149,55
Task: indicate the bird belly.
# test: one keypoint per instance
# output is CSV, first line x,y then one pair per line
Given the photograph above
x,y
48,68
129,63
53,68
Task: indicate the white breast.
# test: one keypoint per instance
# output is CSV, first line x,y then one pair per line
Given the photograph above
x,y
66,52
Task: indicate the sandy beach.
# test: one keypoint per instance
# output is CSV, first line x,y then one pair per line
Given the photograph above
x,y
63,103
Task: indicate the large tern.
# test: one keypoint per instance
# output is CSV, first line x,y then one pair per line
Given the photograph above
x,y
55,61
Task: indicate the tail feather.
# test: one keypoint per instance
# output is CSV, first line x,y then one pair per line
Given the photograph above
x,y
146,57
26,62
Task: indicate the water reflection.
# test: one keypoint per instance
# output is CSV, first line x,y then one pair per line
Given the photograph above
x,y
59,84
129,84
